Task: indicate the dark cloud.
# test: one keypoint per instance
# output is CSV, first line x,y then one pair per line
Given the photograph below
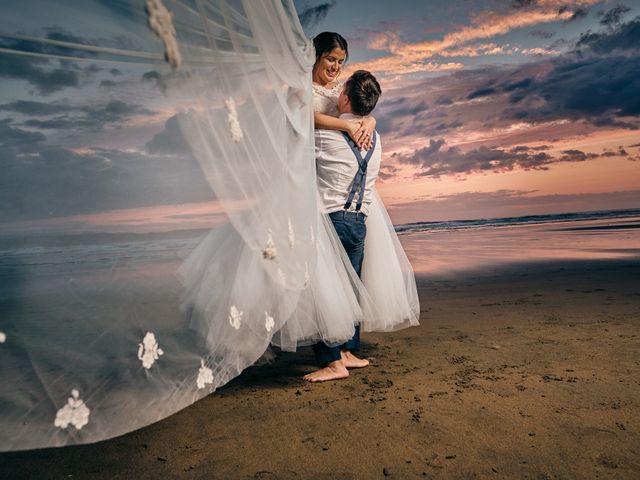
x,y
621,152
385,101
65,116
481,92
413,108
46,75
311,16
519,148
392,108
60,34
523,3
54,181
576,156
107,83
614,16
611,121
387,172
38,73
577,13
544,34
483,159
11,137
598,83
443,101
36,109
434,161
446,126
160,81
624,38
384,124
170,140
524,83
50,75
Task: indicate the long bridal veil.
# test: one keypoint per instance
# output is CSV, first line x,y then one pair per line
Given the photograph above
x,y
160,222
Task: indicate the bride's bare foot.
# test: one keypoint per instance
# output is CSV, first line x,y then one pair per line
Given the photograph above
x,y
351,361
333,371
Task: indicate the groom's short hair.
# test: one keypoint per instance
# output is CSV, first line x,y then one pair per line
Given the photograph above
x,y
363,90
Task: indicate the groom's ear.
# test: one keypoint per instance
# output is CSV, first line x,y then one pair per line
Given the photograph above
x,y
345,100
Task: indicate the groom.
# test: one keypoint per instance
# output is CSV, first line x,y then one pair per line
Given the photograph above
x,y
346,177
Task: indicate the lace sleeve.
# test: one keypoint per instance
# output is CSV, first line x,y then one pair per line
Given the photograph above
x,y
325,100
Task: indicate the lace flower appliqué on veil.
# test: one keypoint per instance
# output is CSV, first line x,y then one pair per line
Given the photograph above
x,y
149,351
292,234
270,252
75,412
205,376
269,322
161,22
235,317
307,276
232,120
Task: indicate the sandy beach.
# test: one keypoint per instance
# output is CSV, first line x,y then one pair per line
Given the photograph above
x,y
525,371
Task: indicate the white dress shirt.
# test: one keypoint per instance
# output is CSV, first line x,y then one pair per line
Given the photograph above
x,y
337,167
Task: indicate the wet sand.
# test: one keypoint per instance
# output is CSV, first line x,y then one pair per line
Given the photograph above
x,y
526,371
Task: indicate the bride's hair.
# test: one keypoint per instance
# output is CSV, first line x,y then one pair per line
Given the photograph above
x,y
326,41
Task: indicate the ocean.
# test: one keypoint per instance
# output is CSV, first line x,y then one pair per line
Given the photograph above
x,y
92,260
603,215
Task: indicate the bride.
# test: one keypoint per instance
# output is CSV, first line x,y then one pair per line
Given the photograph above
x,y
338,168
88,357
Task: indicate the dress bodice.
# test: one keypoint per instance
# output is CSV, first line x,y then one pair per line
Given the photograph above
x,y
325,100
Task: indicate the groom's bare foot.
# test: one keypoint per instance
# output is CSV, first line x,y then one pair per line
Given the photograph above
x,y
351,361
333,371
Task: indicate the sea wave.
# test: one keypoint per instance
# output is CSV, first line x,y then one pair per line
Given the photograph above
x,y
514,221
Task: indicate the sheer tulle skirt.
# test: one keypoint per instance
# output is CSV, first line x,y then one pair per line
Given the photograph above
x,y
387,275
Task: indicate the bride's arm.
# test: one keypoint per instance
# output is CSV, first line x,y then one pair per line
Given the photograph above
x,y
328,122
357,130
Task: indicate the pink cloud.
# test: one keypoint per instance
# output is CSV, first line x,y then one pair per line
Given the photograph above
x,y
408,57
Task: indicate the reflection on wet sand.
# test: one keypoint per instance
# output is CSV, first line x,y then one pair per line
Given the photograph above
x,y
451,251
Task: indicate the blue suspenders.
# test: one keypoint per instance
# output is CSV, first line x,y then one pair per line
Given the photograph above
x,y
361,177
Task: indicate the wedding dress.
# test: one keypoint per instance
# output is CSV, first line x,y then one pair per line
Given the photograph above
x,y
387,274
109,319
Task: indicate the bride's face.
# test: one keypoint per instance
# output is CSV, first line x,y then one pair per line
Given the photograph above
x,y
329,66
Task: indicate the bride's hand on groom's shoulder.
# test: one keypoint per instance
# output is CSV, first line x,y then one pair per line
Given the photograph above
x,y
368,126
361,131
354,129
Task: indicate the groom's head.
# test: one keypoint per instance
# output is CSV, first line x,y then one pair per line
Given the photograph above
x,y
360,94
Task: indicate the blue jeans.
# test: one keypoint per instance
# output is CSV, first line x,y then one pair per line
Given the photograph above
x,y
351,229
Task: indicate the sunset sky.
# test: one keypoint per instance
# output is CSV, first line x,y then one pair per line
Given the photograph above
x,y
499,108
489,109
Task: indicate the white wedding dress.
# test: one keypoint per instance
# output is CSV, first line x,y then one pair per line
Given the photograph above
x,y
386,272
100,336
